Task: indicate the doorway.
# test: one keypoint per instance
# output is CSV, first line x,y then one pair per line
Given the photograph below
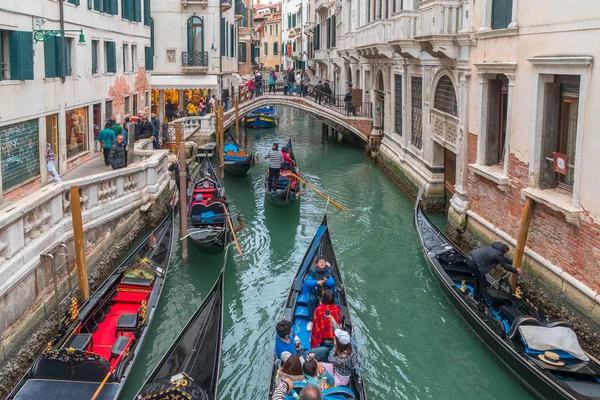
x,y
52,137
449,175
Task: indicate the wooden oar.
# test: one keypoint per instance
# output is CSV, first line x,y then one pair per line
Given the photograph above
x,y
319,193
107,377
232,231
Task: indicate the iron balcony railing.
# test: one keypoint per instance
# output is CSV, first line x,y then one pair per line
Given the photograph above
x,y
194,59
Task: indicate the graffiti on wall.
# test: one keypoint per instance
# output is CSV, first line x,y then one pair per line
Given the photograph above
x,y
19,152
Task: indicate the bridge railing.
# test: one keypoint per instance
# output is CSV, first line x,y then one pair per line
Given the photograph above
x,y
333,102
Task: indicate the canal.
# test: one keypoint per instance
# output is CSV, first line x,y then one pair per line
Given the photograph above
x,y
412,344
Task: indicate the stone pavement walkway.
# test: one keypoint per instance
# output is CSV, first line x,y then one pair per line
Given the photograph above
x,y
94,166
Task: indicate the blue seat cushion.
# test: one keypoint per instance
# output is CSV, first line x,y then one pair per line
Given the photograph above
x,y
234,158
301,311
342,392
302,298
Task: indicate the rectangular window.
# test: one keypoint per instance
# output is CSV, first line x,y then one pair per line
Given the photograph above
x,y
68,56
99,5
128,9
398,104
501,13
277,29
147,12
74,2
231,41
95,45
127,104
275,48
289,21
294,46
4,55
137,10
559,134
266,49
110,7
135,103
270,29
149,58
242,52
294,20
108,108
125,56
223,41
110,55
16,55
77,131
133,58
416,90
171,57
53,57
497,118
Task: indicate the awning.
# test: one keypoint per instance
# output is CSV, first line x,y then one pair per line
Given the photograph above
x,y
158,82
298,8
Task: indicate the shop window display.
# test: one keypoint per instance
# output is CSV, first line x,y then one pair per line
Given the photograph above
x,y
77,130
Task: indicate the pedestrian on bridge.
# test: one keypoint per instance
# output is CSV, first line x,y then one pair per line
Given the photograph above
x,y
272,79
106,137
116,156
291,81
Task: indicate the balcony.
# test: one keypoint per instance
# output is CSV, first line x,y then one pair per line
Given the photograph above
x,y
241,12
225,5
194,62
321,55
405,27
186,3
372,40
321,5
441,20
444,127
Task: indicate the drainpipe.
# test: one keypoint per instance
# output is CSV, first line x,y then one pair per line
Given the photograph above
x,y
63,73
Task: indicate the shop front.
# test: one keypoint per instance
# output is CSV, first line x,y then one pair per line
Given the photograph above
x,y
77,132
172,93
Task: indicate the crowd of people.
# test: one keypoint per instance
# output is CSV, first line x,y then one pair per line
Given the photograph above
x,y
295,83
331,359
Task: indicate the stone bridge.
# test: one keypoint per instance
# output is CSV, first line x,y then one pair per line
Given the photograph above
x,y
334,116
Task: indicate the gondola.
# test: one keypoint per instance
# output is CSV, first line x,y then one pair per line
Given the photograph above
x,y
238,163
190,368
296,310
287,188
207,219
265,117
513,331
101,340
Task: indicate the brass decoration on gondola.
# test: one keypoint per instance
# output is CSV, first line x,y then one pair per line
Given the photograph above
x,y
74,308
518,292
463,286
142,312
49,347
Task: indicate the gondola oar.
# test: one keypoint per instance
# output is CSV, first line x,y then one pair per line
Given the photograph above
x,y
232,231
107,377
319,193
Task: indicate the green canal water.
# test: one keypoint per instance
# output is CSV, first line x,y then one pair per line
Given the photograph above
x,y
412,344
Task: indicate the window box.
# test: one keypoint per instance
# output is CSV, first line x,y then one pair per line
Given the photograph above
x,y
494,173
557,199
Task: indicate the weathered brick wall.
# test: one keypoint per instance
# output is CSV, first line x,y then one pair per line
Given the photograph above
x,y
574,249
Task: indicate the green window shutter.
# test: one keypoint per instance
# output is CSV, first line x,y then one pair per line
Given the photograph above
x,y
231,41
75,2
289,21
266,50
128,9
52,56
294,46
190,35
137,10
149,59
94,57
147,12
293,20
111,57
114,7
90,4
222,44
99,5
501,13
124,60
275,47
20,46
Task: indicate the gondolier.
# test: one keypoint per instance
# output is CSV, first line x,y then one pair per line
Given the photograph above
x,y
482,261
275,161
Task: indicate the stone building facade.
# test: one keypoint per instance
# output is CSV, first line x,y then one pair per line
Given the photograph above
x,y
55,91
481,102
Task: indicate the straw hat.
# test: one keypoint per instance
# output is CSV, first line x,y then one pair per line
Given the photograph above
x,y
551,358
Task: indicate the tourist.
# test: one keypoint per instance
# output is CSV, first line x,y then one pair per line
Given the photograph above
x,y
125,134
272,80
305,84
298,83
144,129
319,92
286,85
342,359
202,107
116,156
348,103
319,278
174,167
482,261
327,92
250,86
309,392
50,157
111,121
191,109
287,163
106,137
322,328
212,102
259,83
275,161
116,127
285,341
291,81
316,374
291,369
169,110
156,125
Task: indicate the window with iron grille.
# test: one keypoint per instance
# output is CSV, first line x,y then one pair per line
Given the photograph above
x,y
445,97
127,105
108,108
416,137
398,104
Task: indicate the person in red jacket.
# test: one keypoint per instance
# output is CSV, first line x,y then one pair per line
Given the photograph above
x,y
322,326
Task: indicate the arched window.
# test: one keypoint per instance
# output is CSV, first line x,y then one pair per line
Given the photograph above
x,y
445,97
195,34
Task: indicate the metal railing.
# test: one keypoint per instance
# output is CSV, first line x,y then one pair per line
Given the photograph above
x,y
194,58
312,94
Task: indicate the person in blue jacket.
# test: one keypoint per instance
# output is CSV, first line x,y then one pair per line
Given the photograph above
x,y
319,278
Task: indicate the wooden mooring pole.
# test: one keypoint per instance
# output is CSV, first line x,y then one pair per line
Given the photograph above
x,y
183,199
237,116
79,242
524,231
221,138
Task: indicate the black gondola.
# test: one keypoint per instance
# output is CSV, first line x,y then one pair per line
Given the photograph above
x,y
238,163
296,310
286,190
512,330
106,333
190,368
207,221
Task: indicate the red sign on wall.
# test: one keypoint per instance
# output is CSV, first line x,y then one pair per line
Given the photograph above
x,y
560,163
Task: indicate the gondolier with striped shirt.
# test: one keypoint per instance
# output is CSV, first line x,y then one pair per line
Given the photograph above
x,y
275,161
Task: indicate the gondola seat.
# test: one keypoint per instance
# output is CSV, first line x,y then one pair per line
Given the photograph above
x,y
496,296
91,370
119,345
302,298
81,341
511,313
301,311
50,368
127,323
339,392
236,158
